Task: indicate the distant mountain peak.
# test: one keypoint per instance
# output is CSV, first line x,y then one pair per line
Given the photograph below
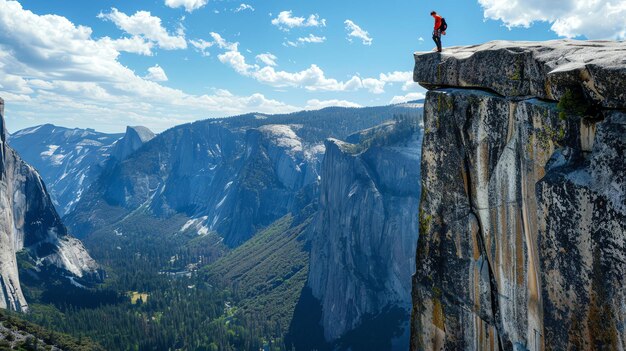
x,y
134,138
142,132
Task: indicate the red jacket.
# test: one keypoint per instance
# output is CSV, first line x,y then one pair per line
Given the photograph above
x,y
437,22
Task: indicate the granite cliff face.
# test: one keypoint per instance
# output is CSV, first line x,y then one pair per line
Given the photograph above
x,y
523,213
134,138
28,221
364,237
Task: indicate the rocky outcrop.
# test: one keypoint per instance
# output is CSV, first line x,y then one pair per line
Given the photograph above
x,y
134,138
523,214
545,70
68,160
363,240
28,221
278,175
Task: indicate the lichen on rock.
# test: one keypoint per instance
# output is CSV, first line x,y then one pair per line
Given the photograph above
x,y
523,213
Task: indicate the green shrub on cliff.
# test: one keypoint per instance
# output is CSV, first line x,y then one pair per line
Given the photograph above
x,y
573,103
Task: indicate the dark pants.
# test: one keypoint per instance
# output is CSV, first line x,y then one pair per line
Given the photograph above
x,y
437,38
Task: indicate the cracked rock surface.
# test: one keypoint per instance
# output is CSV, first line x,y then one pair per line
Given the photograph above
x,y
522,240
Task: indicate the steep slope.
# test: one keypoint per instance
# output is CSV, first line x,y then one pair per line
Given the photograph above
x,y
28,221
364,238
267,274
232,176
523,212
69,160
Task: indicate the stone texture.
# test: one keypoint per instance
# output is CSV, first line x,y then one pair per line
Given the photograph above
x,y
29,221
363,242
522,220
540,69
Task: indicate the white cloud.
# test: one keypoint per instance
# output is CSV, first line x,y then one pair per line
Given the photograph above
x,y
135,45
51,67
143,24
237,61
189,5
357,32
223,44
594,19
267,58
286,21
156,74
312,78
202,46
310,39
244,7
374,85
406,98
316,104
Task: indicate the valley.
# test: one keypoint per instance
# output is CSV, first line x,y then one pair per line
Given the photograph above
x,y
206,231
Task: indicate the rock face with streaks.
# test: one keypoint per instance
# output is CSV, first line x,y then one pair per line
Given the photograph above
x,y
364,238
29,222
523,213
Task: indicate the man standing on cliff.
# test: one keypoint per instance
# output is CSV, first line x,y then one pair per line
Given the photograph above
x,y
438,30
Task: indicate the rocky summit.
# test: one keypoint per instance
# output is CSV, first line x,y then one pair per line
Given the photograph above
x,y
523,214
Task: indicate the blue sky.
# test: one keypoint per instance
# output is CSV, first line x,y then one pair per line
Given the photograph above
x,y
106,64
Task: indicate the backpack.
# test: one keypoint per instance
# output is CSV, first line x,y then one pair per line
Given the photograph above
x,y
444,25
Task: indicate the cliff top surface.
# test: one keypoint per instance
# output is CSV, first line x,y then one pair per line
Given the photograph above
x,y
545,70
142,132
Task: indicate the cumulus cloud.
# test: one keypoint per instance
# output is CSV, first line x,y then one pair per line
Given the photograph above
x,y
144,25
406,98
48,65
244,7
594,19
286,21
311,39
189,5
267,58
316,104
202,46
135,45
354,31
312,78
156,73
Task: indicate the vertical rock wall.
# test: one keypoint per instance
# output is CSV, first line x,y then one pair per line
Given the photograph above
x,y
523,214
363,242
29,221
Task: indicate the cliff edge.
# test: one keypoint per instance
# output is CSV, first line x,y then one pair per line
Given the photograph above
x,y
523,212
29,222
